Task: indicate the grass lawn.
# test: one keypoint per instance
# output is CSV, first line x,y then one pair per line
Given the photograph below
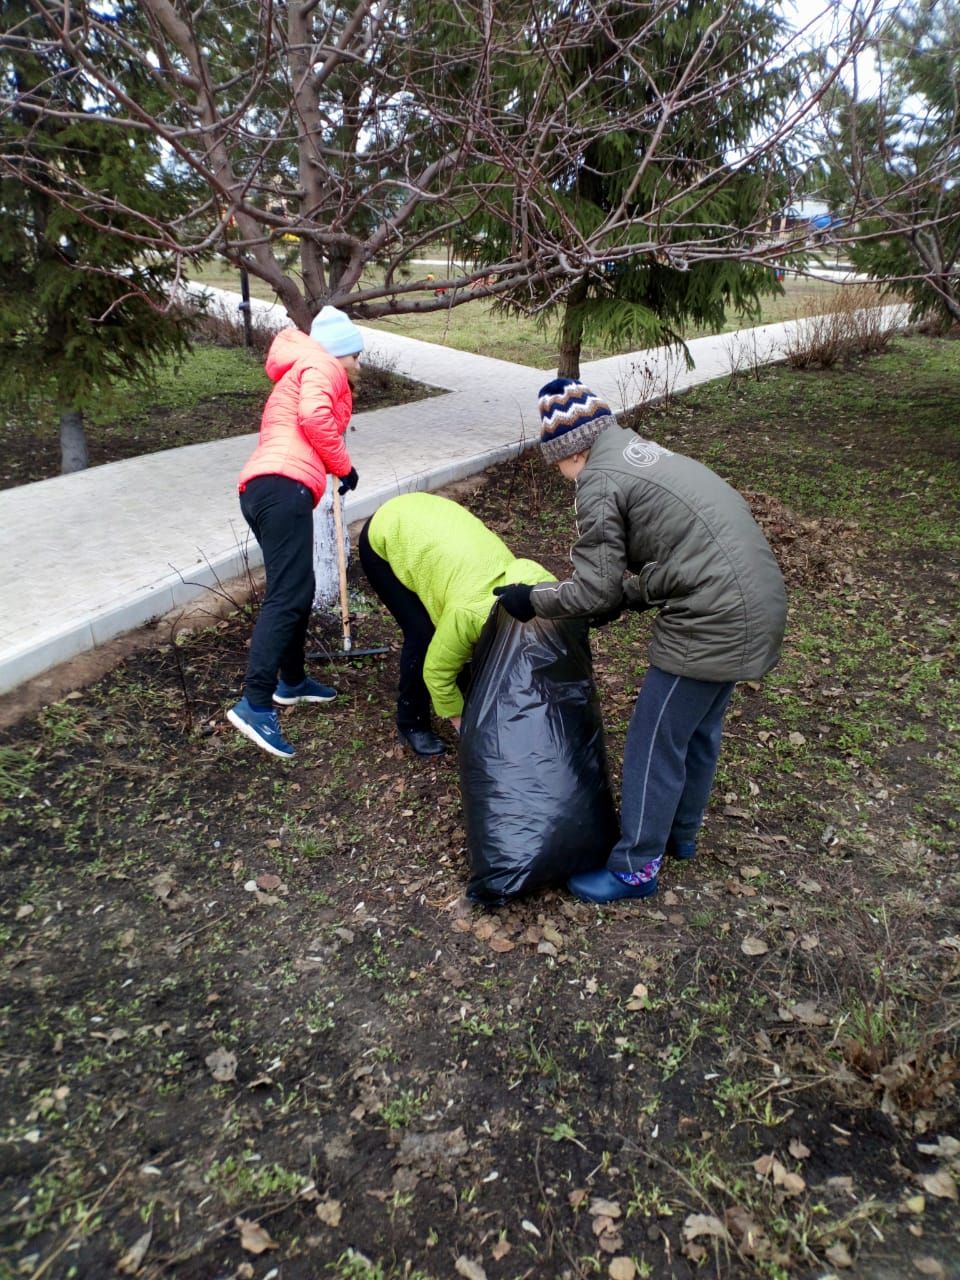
x,y
213,393
250,1025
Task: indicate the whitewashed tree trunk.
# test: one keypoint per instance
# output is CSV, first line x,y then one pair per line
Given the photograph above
x,y
73,442
325,565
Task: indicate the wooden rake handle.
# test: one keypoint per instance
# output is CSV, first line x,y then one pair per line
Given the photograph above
x,y
342,566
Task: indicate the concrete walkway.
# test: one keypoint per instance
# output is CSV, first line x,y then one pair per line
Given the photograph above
x,y
93,555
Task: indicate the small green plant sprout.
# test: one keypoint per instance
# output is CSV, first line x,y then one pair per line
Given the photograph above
x,y
563,1131
401,1111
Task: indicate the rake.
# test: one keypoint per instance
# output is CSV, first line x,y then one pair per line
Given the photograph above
x,y
348,651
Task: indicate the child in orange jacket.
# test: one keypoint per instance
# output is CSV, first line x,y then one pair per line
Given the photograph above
x,y
301,442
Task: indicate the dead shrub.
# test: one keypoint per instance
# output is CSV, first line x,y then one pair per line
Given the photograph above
x,y
847,323
226,329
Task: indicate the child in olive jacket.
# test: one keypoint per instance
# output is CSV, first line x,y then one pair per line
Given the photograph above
x,y
658,530
434,565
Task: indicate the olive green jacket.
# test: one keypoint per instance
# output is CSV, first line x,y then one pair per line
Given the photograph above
x,y
658,530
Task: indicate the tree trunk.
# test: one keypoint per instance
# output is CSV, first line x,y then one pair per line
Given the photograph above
x,y
73,442
571,332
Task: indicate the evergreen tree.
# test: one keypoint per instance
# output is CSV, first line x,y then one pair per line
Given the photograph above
x,y
894,160
82,307
672,217
626,151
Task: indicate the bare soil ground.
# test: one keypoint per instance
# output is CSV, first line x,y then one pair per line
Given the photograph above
x,y
251,1027
30,446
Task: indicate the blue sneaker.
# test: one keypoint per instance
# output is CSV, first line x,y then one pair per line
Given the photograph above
x,y
682,849
288,695
604,886
261,727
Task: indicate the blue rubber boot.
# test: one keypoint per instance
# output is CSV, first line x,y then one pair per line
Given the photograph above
x,y
288,695
604,886
261,727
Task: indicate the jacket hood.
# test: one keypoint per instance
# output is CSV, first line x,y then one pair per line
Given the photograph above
x,y
291,345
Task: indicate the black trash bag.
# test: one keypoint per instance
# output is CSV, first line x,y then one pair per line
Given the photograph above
x,y
533,764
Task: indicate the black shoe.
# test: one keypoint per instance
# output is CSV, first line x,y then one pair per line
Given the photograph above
x,y
423,741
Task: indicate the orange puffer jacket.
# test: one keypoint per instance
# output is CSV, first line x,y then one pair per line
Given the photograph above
x,y
304,420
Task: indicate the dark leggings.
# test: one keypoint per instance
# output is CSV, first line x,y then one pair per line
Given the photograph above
x,y
280,513
413,700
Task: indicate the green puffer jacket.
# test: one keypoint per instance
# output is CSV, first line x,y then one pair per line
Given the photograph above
x,y
691,549
452,561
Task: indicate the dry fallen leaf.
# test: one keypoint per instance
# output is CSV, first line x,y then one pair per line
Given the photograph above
x,y
501,944
638,997
839,1255
770,1167
806,1011
330,1212
610,1241
604,1208
945,1147
749,873
798,1149
253,1237
704,1224
576,1197
622,1268
268,881
131,1261
930,1267
792,1183
469,1269
222,1065
500,1250
752,946
940,1184
740,889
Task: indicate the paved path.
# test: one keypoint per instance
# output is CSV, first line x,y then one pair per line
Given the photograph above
x,y
93,555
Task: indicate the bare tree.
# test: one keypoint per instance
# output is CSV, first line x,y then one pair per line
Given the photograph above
x,y
369,132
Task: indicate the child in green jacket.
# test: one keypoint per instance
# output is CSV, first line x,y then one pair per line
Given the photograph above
x,y
435,566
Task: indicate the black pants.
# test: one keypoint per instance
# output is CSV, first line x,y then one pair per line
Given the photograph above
x,y
280,513
413,700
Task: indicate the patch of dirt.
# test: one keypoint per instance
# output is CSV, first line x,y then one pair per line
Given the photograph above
x,y
30,448
251,1026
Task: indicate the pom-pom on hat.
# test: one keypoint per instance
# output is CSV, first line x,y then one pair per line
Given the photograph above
x,y
571,418
336,332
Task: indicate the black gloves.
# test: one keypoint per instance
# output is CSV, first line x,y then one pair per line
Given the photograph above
x,y
349,481
608,615
516,600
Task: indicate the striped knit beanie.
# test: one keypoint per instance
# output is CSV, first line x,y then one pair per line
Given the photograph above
x,y
571,418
